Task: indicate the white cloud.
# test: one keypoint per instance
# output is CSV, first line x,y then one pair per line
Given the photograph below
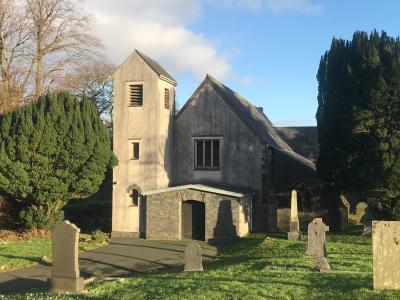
x,y
296,6
159,29
248,80
276,6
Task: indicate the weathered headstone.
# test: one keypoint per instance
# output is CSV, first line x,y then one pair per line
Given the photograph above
x,y
386,254
316,245
294,234
193,258
345,215
360,211
366,220
65,270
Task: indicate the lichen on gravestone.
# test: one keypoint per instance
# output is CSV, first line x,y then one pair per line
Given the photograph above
x,y
316,245
386,254
65,269
193,258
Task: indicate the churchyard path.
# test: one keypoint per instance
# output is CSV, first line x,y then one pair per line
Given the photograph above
x,y
120,258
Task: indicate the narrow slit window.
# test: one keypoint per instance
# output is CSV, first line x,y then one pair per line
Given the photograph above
x,y
135,151
136,95
166,98
135,197
207,154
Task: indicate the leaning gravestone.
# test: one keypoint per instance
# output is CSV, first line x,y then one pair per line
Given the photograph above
x,y
345,214
65,271
193,258
316,245
294,234
360,211
386,254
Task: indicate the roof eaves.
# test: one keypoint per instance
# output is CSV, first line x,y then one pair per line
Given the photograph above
x,y
150,62
198,187
223,96
191,98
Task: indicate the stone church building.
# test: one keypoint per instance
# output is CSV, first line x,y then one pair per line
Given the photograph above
x,y
207,172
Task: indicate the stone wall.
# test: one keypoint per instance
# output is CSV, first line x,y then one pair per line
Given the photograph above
x,y
241,150
163,215
289,173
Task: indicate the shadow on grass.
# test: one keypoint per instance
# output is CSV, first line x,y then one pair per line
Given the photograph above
x,y
16,284
36,260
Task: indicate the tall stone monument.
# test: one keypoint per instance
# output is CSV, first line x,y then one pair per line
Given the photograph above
x,y
294,234
65,270
193,258
386,254
316,245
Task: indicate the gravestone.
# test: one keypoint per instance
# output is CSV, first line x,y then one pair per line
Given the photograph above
x,y
294,234
65,270
386,254
360,211
193,258
345,215
316,245
367,222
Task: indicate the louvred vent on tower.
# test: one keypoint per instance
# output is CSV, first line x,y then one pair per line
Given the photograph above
x,y
136,95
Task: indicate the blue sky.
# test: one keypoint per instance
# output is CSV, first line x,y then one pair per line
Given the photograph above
x,y
266,50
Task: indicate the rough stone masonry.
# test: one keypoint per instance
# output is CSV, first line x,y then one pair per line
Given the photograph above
x,y
294,234
317,244
386,254
65,270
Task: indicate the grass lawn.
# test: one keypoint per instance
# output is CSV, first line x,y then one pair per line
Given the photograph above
x,y
253,268
15,255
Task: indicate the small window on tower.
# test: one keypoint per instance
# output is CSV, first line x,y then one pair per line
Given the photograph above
x,y
135,95
135,151
166,98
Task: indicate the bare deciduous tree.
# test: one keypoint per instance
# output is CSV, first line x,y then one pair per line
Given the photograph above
x,y
16,61
92,80
40,42
60,34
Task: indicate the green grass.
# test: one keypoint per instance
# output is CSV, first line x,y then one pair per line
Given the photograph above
x,y
15,255
253,268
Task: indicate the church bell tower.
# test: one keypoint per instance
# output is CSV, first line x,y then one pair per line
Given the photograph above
x,y
144,101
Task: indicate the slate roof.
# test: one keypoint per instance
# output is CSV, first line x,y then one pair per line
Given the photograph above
x,y
255,120
302,139
155,66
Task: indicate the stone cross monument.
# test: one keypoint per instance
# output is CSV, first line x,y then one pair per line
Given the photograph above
x,y
65,270
193,258
316,245
294,234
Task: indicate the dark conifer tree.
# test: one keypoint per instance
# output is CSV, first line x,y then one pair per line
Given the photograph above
x,y
52,151
359,120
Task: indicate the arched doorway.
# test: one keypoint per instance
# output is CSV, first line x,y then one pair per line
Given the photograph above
x,y
193,220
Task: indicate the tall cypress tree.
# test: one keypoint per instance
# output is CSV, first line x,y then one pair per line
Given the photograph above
x,y
52,151
359,120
